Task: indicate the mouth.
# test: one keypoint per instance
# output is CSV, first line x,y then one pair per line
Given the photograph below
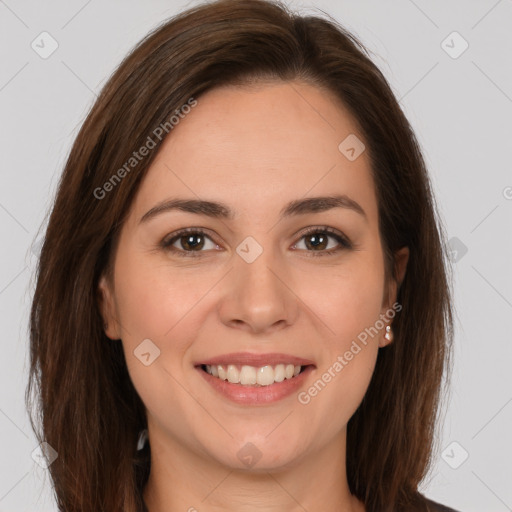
x,y
255,379
253,376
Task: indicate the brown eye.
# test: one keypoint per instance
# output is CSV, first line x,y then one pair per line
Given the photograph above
x,y
191,241
317,241
187,242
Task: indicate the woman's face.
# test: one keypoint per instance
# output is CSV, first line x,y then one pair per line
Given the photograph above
x,y
254,290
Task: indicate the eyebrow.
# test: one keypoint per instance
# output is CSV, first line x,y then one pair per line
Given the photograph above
x,y
222,211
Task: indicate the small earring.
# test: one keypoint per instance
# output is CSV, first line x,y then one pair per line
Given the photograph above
x,y
389,333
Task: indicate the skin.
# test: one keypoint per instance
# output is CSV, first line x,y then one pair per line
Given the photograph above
x,y
254,149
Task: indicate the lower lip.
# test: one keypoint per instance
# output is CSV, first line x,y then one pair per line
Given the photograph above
x,y
257,395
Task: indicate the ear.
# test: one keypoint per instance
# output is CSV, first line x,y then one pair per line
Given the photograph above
x,y
401,260
108,308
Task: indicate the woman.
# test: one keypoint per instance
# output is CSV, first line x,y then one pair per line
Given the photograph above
x,y
243,261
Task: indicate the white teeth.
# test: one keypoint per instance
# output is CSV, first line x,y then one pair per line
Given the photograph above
x,y
279,373
233,374
222,373
265,376
250,375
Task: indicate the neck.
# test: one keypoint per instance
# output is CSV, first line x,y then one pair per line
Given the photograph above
x,y
184,480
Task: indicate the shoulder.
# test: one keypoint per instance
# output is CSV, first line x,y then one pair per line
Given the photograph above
x,y
433,506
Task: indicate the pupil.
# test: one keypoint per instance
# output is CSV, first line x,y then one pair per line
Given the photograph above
x,y
317,238
189,242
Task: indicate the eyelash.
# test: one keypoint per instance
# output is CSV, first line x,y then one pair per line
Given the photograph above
x,y
167,243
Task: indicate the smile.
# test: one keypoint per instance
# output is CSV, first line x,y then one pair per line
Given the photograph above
x,y
246,375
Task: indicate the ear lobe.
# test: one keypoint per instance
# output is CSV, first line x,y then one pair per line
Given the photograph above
x,y
107,308
387,339
401,260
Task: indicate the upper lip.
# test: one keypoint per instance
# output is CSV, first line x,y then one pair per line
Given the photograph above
x,y
257,360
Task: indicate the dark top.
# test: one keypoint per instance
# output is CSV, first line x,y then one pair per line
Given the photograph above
x,y
437,507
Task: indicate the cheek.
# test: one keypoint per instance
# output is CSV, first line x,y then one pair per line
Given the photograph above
x,y
343,377
352,376
350,300
153,305
151,300
351,308
163,305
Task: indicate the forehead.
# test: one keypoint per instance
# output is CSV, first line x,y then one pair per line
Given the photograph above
x,y
262,145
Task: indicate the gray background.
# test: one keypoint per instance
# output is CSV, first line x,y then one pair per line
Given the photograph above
x,y
460,109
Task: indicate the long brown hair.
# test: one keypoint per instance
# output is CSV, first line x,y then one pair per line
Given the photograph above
x,y
87,407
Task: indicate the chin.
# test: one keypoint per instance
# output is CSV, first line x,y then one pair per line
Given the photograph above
x,y
258,454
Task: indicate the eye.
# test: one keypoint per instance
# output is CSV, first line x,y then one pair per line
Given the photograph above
x,y
318,239
190,242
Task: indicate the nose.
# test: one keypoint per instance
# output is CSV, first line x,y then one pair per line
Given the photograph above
x,y
258,296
